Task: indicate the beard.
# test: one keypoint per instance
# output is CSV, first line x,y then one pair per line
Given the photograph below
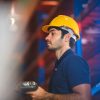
x,y
52,48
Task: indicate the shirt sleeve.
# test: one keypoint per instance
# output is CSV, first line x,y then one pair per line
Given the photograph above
x,y
77,71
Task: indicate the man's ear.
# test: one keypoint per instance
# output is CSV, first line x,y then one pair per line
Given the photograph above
x,y
67,37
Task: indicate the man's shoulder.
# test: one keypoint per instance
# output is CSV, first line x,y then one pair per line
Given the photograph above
x,y
74,57
75,60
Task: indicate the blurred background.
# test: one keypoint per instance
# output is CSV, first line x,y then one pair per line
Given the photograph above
x,y
24,50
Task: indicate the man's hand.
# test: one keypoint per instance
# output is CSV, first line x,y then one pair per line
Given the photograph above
x,y
80,92
39,94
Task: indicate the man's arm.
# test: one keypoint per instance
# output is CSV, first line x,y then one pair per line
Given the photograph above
x,y
80,92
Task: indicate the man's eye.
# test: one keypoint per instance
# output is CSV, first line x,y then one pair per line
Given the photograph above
x,y
52,33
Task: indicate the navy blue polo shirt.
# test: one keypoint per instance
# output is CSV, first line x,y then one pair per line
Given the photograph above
x,y
70,70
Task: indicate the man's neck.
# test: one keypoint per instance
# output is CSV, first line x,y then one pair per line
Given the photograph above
x,y
61,51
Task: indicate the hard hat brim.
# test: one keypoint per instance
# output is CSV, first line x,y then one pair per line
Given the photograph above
x,y
45,28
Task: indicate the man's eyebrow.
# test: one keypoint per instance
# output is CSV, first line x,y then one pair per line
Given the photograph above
x,y
51,30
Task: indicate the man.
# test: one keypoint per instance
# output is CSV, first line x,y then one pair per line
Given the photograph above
x,y
70,79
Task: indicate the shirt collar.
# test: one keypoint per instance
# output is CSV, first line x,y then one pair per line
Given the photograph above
x,y
66,53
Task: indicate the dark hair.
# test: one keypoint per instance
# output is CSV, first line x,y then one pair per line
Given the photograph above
x,y
58,28
72,41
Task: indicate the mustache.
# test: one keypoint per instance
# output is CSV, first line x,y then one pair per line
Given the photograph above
x,y
48,42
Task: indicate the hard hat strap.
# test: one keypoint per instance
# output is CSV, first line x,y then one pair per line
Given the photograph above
x,y
70,31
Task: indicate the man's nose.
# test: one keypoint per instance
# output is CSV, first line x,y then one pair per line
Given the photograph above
x,y
47,37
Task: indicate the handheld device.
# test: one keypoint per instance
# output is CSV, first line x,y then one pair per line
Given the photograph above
x,y
27,86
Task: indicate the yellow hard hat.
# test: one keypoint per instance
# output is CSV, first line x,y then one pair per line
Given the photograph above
x,y
65,21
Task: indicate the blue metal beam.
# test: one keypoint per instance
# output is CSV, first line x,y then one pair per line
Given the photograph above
x,y
77,10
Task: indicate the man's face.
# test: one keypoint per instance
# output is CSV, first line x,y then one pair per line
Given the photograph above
x,y
54,40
